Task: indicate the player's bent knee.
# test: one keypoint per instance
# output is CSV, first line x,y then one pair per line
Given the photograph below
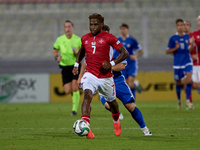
x,y
130,107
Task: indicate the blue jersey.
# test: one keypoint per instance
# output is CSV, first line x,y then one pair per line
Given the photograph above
x,y
115,55
181,56
132,45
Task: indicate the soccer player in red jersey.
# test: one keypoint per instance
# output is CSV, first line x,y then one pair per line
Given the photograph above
x,y
98,76
196,57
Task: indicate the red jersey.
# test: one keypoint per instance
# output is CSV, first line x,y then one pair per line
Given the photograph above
x,y
97,49
196,35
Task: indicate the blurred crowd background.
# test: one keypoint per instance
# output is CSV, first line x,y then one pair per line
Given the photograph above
x,y
28,28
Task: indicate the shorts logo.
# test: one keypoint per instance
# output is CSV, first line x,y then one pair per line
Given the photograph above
x,y
84,77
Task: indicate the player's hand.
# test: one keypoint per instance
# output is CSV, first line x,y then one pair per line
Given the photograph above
x,y
194,57
75,50
192,40
177,46
106,65
58,58
79,82
133,57
75,71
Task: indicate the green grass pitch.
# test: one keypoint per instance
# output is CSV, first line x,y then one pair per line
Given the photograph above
x,y
48,126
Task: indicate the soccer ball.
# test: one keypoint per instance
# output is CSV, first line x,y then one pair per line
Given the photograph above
x,y
81,127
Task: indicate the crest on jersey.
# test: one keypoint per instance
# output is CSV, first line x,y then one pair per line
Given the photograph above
x,y
101,41
93,43
86,42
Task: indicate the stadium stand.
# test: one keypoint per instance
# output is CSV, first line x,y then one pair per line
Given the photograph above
x,y
30,27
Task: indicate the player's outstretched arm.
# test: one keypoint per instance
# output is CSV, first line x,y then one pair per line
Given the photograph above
x,y
123,55
80,56
119,67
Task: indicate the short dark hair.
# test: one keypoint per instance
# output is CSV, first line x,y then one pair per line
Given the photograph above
x,y
179,20
106,28
97,16
124,25
188,22
69,22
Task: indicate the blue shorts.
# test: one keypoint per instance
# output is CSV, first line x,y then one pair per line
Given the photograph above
x,y
180,73
130,70
123,91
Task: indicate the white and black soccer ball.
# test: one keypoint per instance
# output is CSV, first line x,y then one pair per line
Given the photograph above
x,y
81,127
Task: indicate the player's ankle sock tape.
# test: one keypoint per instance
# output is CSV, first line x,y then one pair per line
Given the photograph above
x,y
137,116
116,116
86,118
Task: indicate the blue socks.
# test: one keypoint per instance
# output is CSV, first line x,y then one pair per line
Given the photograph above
x,y
133,91
188,90
178,91
137,116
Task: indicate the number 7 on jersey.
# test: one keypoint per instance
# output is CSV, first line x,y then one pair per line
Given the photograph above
x,y
94,48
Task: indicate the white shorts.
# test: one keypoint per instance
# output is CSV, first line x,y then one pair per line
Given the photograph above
x,y
196,74
106,86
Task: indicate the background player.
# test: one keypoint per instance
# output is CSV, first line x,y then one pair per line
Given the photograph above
x,y
135,51
123,91
196,57
68,44
96,46
178,46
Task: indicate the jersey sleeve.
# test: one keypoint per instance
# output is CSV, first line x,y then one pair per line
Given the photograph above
x,y
56,44
114,42
171,43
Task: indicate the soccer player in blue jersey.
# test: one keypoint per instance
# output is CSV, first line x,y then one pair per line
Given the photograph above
x,y
135,51
123,91
179,47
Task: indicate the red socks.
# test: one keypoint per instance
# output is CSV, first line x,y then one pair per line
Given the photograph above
x,y
116,116
86,118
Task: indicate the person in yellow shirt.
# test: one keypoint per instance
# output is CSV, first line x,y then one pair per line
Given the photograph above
x,y
68,44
